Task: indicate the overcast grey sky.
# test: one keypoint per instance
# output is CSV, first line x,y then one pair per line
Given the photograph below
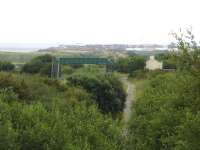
x,y
95,21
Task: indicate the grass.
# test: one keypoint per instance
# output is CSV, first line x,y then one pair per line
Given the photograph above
x,y
18,58
140,85
23,57
121,76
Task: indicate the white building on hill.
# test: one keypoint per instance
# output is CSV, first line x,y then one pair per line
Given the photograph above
x,y
153,64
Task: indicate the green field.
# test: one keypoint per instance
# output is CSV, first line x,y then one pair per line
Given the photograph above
x,y
18,58
22,57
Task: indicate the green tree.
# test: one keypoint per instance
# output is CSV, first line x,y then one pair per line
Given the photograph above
x,y
6,66
106,90
40,64
58,117
167,59
188,55
129,64
166,116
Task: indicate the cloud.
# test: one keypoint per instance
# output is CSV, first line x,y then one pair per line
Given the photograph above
x,y
95,21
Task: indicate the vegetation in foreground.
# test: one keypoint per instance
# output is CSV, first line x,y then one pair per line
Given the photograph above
x,y
129,64
38,113
83,112
167,115
106,89
6,66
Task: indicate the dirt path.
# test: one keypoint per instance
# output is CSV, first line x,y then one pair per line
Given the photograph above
x,y
129,99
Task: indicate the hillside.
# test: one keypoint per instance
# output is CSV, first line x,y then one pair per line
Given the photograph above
x,y
89,107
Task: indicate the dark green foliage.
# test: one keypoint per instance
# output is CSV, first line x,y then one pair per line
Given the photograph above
x,y
140,74
106,89
66,70
76,66
26,88
129,64
146,74
166,116
6,66
30,88
55,117
168,60
188,55
163,115
62,127
167,64
40,64
163,56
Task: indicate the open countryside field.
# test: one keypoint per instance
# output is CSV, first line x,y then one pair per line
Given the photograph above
x,y
99,75
117,109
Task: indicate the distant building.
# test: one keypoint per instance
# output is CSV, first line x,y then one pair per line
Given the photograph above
x,y
153,64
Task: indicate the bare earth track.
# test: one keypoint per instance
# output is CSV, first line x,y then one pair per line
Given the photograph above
x,y
129,99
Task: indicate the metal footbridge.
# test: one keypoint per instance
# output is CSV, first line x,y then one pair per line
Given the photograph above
x,y
57,62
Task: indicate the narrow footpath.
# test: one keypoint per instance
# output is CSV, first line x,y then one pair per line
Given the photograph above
x,y
129,99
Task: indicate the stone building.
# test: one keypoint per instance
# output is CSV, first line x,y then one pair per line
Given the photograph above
x,y
153,64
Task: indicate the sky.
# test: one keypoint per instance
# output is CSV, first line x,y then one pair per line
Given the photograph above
x,y
96,21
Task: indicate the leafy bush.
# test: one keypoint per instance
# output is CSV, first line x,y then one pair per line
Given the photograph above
x,y
6,66
168,60
146,74
106,89
129,64
61,127
187,57
163,115
167,64
40,113
139,74
26,88
31,88
40,64
166,116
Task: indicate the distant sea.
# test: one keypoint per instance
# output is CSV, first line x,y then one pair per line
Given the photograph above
x,y
18,51
24,48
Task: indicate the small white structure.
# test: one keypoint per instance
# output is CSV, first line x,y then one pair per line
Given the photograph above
x,y
153,64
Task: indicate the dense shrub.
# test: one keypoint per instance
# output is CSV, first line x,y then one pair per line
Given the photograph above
x,y
167,64
26,88
31,88
129,64
163,115
168,60
106,89
139,74
40,113
6,66
66,70
166,116
146,74
41,64
66,126
188,54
